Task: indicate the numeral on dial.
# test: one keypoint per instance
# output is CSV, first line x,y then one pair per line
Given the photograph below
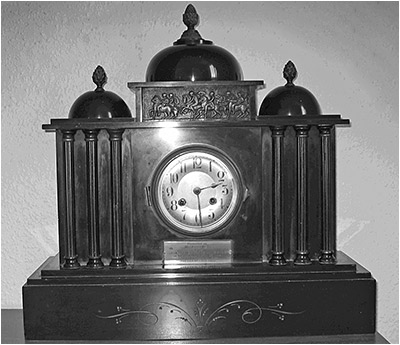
x,y
197,162
169,191
183,167
221,175
174,178
174,205
225,190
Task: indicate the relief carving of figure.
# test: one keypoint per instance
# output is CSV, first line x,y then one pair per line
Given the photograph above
x,y
201,106
165,107
211,106
190,102
240,107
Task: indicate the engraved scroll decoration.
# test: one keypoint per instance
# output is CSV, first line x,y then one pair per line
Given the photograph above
x,y
202,104
249,312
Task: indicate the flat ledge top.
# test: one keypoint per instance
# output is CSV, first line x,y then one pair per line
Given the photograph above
x,y
124,123
136,85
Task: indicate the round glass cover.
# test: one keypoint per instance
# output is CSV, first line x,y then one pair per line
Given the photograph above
x,y
197,191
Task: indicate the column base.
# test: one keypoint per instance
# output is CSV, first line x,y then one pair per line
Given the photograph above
x,y
302,259
118,262
71,262
277,259
327,258
95,262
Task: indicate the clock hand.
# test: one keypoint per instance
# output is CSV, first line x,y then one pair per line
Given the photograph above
x,y
214,185
197,190
199,207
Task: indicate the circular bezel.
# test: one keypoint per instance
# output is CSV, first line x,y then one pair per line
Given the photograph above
x,y
235,201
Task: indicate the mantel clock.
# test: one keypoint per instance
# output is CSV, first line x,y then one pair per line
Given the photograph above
x,y
200,218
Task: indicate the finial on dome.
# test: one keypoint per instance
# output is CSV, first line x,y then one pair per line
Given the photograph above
x,y
290,99
99,104
190,17
290,73
99,78
191,36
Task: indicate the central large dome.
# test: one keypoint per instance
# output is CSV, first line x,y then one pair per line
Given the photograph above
x,y
192,58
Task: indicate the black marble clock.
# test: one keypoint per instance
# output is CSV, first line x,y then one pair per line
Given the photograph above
x,y
200,218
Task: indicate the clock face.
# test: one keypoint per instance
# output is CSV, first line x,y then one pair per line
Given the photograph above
x,y
197,190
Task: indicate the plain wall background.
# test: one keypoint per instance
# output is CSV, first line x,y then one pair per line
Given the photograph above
x,y
346,53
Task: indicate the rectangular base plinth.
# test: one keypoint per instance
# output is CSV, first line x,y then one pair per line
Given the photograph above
x,y
171,306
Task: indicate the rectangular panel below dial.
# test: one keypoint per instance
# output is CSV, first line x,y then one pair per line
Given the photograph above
x,y
197,253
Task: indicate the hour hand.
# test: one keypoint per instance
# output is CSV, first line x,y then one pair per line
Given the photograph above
x,y
211,186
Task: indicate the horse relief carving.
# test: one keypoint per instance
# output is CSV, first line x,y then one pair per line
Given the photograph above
x,y
198,105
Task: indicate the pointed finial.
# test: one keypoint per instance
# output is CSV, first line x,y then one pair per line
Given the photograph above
x,y
191,36
190,17
290,73
99,78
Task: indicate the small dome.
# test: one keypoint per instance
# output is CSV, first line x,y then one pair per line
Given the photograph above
x,y
99,104
192,58
290,100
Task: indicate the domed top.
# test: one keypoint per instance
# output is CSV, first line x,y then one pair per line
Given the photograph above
x,y
99,104
290,100
193,58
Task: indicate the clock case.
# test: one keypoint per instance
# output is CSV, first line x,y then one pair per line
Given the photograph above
x,y
281,275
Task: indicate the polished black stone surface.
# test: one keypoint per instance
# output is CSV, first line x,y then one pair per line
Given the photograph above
x,y
199,62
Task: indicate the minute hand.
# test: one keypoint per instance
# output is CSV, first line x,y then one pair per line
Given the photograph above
x,y
212,186
199,207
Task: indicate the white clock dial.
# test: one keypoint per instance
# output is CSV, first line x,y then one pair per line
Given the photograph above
x,y
197,191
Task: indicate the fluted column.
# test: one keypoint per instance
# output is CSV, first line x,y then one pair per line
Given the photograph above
x,y
92,199
117,253
70,257
327,200
302,253
277,257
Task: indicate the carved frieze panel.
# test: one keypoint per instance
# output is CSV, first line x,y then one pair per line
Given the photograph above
x,y
195,101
